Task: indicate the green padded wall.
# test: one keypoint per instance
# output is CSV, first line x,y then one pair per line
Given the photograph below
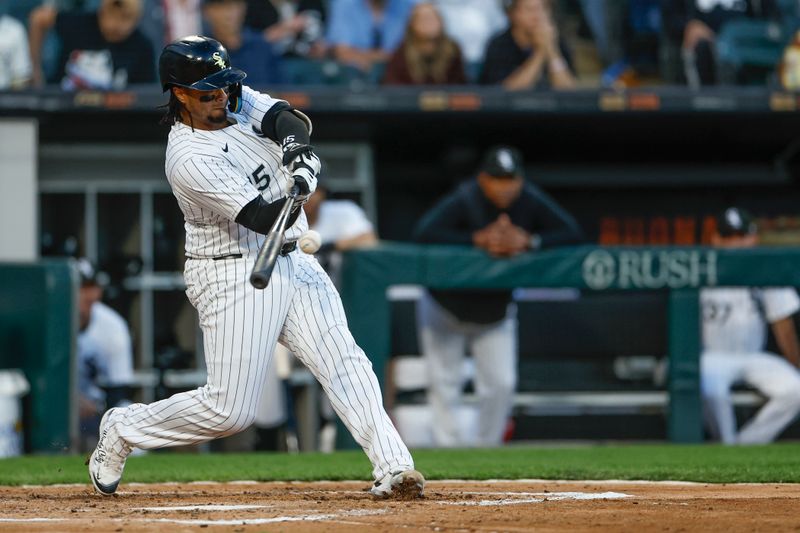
x,y
37,335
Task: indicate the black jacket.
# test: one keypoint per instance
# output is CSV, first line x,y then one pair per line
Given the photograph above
x,y
458,215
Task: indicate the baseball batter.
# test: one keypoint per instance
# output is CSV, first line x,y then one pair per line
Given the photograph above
x,y
734,337
232,155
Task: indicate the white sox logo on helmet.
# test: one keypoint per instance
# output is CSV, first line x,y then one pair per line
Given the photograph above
x,y
218,60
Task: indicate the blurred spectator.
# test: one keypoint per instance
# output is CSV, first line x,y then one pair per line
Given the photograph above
x,y
504,215
789,67
471,23
530,54
101,50
294,27
182,18
105,355
734,338
15,60
248,49
427,55
363,33
696,24
596,14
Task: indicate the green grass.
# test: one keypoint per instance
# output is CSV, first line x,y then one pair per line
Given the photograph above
x,y
714,464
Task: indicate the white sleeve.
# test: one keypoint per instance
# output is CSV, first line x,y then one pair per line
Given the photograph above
x,y
255,105
118,350
213,184
780,302
356,223
112,340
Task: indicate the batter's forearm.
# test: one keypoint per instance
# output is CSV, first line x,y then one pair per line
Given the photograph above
x,y
282,121
259,215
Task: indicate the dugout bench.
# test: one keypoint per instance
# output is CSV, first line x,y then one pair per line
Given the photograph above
x,y
681,272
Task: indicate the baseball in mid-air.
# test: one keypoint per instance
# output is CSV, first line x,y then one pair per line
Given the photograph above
x,y
310,241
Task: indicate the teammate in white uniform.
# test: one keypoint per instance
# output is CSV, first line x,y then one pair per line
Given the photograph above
x,y
232,154
734,337
105,355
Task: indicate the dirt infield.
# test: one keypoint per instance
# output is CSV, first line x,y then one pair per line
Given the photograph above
x,y
447,506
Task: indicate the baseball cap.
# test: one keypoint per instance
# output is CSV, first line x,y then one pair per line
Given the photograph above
x,y
89,274
503,162
736,221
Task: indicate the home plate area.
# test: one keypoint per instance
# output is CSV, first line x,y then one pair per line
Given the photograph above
x,y
447,506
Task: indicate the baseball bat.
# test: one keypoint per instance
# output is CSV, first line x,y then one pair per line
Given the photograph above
x,y
268,253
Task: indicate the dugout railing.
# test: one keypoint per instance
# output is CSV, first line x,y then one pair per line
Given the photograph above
x,y
367,275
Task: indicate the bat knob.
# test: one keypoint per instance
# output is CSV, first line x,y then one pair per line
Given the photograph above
x,y
258,281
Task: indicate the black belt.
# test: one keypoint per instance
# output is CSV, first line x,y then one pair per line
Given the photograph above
x,y
286,249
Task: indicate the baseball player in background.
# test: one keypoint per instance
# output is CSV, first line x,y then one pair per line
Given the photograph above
x,y
105,355
734,339
232,155
502,213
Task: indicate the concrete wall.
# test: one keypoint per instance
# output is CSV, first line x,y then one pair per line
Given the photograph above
x,y
19,216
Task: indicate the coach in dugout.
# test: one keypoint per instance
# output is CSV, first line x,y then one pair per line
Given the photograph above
x,y
505,215
734,339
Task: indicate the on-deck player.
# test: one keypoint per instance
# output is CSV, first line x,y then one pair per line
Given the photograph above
x,y
734,337
232,155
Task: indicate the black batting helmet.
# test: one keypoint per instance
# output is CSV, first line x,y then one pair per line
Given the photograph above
x,y
735,221
197,62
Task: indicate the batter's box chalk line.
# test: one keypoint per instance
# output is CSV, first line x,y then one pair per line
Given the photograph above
x,y
517,498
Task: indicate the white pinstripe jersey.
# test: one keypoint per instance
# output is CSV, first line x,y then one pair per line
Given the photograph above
x,y
214,174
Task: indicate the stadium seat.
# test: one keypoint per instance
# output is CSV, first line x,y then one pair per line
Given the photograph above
x,y
303,71
749,43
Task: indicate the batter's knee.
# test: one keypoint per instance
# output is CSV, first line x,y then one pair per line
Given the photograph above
x,y
235,422
224,422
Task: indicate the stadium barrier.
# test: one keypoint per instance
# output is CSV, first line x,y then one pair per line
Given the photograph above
x,y
38,310
38,321
367,274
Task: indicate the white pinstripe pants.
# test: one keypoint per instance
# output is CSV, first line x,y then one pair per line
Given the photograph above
x,y
241,326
